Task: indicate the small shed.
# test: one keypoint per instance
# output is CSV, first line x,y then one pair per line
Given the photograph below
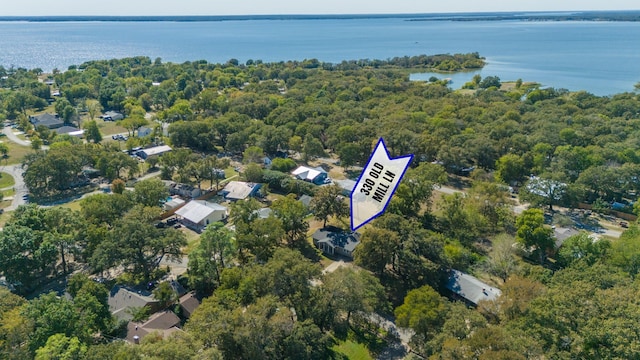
x,y
174,203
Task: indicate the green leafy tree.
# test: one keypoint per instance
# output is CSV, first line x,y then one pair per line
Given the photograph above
x,y
284,165
377,249
510,168
582,247
150,192
349,291
213,254
312,148
59,346
135,243
291,213
253,173
501,261
423,310
92,132
533,235
327,202
52,315
253,154
416,189
165,294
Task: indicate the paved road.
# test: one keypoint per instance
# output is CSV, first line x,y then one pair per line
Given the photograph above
x,y
7,130
20,188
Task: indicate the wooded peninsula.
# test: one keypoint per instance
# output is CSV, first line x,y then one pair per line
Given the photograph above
x,y
200,211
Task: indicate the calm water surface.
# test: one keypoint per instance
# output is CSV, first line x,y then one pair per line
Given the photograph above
x,y
600,57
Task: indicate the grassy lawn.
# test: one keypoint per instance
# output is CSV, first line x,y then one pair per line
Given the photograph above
x,y
352,350
73,205
193,240
16,152
109,127
6,180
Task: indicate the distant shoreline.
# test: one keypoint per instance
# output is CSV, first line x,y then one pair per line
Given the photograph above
x,y
624,16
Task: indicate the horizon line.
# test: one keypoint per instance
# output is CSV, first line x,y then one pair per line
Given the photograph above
x,y
390,14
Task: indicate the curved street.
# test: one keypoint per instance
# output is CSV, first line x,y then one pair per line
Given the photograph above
x,y
20,188
7,130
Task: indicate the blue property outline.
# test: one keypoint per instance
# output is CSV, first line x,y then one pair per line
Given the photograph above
x,y
410,156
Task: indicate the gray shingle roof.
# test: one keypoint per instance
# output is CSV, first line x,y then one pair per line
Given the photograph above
x,y
470,288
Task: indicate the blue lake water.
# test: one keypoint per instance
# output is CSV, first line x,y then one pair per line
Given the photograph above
x,y
600,57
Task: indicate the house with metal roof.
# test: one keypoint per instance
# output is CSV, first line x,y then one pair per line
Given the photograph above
x,y
197,214
316,175
153,151
469,288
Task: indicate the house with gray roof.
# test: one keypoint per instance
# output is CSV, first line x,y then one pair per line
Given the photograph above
x,y
346,185
197,214
123,299
335,241
469,288
47,120
240,190
163,323
189,302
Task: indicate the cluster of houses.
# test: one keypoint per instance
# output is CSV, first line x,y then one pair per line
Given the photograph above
x,y
125,301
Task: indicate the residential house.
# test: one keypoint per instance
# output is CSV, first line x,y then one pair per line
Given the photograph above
x,y
562,233
266,161
305,200
153,151
263,213
239,190
346,186
315,175
112,116
334,241
70,130
163,323
184,190
188,304
197,214
47,120
470,289
122,300
144,131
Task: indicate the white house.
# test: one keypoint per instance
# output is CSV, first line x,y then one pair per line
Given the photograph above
x,y
240,190
197,214
315,175
153,151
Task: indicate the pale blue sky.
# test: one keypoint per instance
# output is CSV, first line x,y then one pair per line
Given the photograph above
x,y
250,7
